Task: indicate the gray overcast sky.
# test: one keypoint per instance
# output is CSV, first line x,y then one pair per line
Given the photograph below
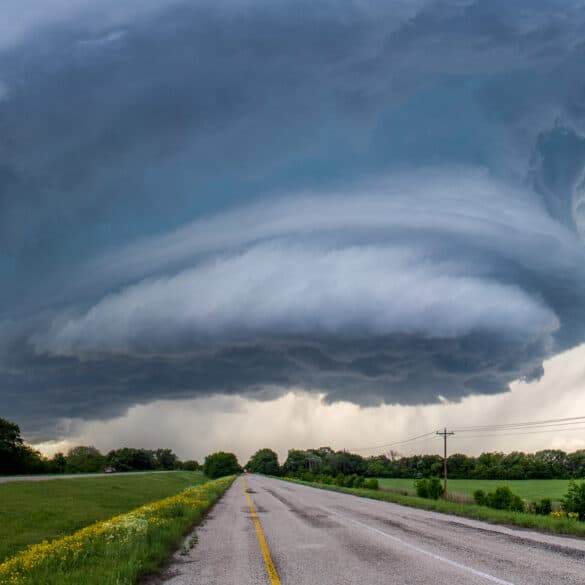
x,y
219,203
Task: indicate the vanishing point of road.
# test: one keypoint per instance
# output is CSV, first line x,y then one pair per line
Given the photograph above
x,y
270,532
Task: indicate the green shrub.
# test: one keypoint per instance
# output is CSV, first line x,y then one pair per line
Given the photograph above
x,y
359,482
435,488
544,507
517,504
480,498
429,488
500,499
349,480
574,499
503,499
371,484
422,487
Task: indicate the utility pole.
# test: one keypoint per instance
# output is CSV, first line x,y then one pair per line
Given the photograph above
x,y
445,434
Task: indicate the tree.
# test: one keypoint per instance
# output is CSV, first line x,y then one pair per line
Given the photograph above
x,y
220,464
576,464
58,463
376,467
190,465
11,444
459,465
9,435
84,459
295,462
165,459
130,459
264,461
31,460
574,499
554,462
15,456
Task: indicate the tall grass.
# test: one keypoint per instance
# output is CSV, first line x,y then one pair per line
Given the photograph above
x,y
117,551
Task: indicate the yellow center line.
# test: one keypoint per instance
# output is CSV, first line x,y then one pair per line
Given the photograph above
x,y
270,568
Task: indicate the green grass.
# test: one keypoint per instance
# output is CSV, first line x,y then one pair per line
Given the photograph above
x,y
528,489
32,511
542,523
120,550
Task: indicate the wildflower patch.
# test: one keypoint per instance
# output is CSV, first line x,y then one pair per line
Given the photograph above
x,y
116,551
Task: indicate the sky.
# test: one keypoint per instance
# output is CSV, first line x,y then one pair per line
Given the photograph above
x,y
253,223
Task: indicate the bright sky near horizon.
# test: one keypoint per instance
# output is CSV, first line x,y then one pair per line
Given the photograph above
x,y
290,224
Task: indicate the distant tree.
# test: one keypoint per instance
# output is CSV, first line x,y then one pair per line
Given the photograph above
x,y
9,435
84,459
190,465
15,455
131,459
296,462
11,444
165,459
350,463
57,464
576,464
376,467
221,464
264,461
459,465
31,461
554,462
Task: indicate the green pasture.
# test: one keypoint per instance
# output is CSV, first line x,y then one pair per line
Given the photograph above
x,y
528,489
33,511
468,510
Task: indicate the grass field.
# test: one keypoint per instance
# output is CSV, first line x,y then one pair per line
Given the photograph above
x,y
31,512
120,550
528,489
545,523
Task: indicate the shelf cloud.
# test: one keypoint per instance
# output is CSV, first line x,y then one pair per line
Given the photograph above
x,y
377,202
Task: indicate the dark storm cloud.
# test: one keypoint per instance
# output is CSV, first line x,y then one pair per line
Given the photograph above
x,y
378,200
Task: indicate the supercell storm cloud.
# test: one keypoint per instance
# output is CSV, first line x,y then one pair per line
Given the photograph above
x,y
382,201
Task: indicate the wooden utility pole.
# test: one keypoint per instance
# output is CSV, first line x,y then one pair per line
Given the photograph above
x,y
445,434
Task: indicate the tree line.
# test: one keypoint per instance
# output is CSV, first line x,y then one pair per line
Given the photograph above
x,y
18,458
324,461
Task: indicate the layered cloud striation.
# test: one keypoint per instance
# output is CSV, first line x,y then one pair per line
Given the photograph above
x,y
382,202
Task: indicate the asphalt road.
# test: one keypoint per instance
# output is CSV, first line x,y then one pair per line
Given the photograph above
x,y
317,537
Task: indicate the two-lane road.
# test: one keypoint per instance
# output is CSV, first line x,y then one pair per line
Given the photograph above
x,y
317,537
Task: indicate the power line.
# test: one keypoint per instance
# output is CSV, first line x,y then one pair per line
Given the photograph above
x,y
522,433
548,422
396,443
556,427
540,426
